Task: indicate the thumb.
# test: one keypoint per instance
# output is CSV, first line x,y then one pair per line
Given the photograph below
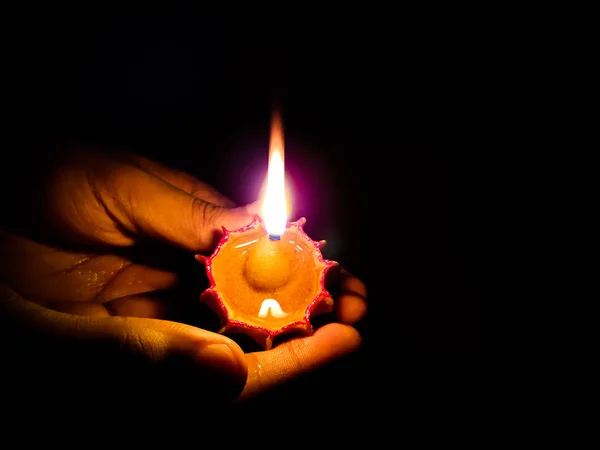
x,y
149,205
131,356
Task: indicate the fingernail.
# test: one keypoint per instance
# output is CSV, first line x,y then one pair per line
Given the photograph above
x,y
218,357
253,208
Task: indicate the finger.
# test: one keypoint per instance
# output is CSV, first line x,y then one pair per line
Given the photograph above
x,y
145,204
184,181
80,308
73,346
298,356
132,279
98,278
351,304
130,306
138,306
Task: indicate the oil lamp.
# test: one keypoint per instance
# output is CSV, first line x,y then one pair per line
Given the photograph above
x,y
267,279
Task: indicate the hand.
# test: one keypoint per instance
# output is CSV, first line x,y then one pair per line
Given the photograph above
x,y
85,292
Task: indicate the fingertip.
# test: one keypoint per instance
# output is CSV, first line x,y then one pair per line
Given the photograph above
x,y
236,218
217,371
351,303
238,355
224,359
350,308
253,208
211,365
340,338
350,283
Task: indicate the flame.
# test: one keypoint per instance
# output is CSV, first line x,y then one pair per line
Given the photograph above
x,y
274,205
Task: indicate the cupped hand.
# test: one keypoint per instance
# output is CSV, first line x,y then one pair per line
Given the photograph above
x,y
84,290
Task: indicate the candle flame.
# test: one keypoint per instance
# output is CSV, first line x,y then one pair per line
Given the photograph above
x,y
274,205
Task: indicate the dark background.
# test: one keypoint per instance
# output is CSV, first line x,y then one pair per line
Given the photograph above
x,y
393,124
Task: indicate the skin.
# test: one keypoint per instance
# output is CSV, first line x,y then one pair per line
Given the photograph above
x,y
82,279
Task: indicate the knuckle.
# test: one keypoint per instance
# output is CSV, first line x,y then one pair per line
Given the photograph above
x,y
205,215
135,343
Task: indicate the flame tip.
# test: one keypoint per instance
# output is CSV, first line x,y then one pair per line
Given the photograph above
x,y
274,205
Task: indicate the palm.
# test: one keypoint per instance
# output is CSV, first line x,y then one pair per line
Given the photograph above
x,y
100,282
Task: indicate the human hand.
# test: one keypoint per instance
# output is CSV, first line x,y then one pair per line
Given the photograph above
x,y
85,291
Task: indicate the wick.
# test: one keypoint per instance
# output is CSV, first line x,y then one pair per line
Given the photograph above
x,y
274,237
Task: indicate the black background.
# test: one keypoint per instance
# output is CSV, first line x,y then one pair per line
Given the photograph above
x,y
393,124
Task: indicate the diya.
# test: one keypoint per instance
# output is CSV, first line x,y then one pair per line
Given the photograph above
x,y
267,279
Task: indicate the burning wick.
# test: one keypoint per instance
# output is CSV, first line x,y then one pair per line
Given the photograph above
x,y
274,205
271,264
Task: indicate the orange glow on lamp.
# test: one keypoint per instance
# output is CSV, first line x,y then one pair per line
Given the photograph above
x,y
267,279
